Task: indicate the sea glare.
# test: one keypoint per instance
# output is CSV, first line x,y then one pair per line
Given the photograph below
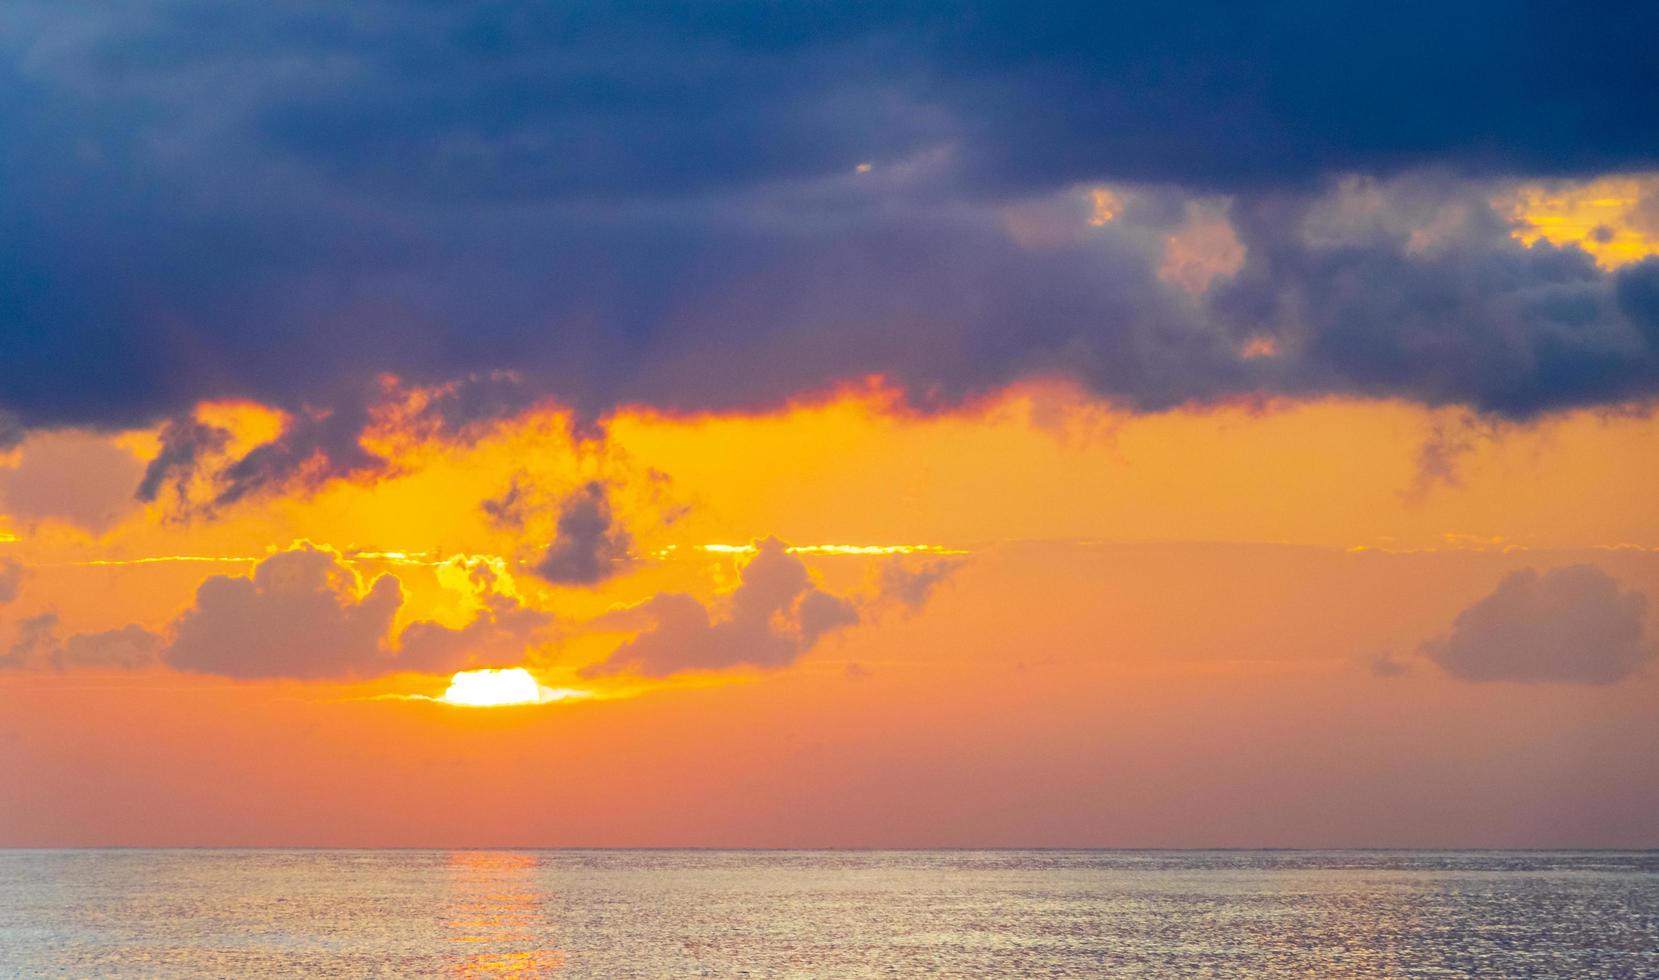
x,y
1327,914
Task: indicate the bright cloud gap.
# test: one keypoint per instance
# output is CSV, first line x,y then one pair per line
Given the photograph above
x,y
826,549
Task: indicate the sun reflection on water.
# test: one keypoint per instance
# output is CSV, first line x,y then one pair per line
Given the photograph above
x,y
498,925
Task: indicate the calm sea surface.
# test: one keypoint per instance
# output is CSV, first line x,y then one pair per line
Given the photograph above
x,y
828,914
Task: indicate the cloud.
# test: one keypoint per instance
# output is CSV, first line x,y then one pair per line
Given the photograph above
x,y
911,584
1568,625
36,636
303,613
498,635
129,648
1483,322
1388,665
37,647
775,615
664,206
79,478
317,446
1637,291
11,578
320,443
510,509
184,441
589,545
1449,442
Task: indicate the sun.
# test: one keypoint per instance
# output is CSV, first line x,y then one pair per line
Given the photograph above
x,y
493,686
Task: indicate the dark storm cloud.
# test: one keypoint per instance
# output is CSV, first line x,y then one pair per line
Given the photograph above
x,y
1568,625
1482,321
657,203
1229,95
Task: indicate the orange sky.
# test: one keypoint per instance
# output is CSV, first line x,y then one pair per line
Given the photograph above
x,y
1151,630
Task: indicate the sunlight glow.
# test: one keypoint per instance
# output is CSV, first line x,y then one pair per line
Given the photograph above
x,y
492,686
839,549
1604,217
1106,206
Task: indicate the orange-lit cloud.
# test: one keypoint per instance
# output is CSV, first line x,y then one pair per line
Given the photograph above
x,y
1203,249
1616,218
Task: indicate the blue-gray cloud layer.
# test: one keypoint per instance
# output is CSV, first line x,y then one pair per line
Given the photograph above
x,y
659,203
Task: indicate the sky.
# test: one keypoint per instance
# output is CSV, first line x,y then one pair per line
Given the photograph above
x,y
901,424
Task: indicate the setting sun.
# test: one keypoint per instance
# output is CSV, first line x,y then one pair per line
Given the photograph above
x,y
491,687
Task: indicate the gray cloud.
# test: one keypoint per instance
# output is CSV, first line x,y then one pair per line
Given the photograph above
x,y
324,443
184,441
131,647
509,509
301,614
910,584
317,446
38,647
304,614
1568,625
775,615
11,578
1388,665
36,638
589,545
76,478
298,615
1374,307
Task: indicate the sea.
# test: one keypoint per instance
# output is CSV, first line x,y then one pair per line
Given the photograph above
x,y
840,914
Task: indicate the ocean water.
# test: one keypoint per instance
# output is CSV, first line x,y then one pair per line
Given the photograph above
x,y
1333,914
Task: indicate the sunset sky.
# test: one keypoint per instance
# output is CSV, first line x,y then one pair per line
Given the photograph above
x,y
892,425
